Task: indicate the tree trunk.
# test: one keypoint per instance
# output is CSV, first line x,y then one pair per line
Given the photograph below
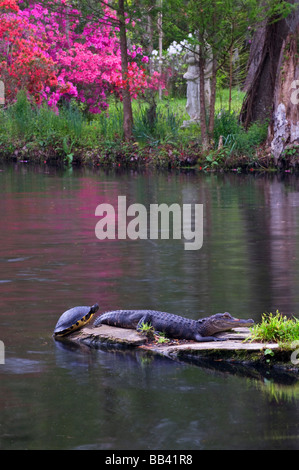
x,y
150,37
160,33
230,77
203,113
273,81
127,103
213,98
284,127
213,81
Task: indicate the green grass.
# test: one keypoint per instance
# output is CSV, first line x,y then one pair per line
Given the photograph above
x,y
23,121
71,131
237,140
148,330
276,328
222,98
171,113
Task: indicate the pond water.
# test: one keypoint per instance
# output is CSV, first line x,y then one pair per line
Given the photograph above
x,y
54,397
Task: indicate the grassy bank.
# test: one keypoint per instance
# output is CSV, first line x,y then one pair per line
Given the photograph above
x,y
72,137
277,328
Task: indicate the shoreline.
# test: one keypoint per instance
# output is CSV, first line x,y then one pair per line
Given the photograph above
x,y
131,155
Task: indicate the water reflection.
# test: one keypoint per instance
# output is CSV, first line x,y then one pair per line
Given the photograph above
x,y
53,396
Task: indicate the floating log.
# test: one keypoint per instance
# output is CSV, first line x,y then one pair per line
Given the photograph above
x,y
233,344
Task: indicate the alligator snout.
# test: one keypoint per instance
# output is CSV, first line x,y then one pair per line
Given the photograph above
x,y
246,322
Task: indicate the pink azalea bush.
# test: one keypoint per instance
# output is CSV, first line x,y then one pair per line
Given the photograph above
x,y
81,63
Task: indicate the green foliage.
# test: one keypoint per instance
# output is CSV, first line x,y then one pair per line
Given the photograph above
x,y
110,126
236,139
20,116
161,338
147,329
226,125
66,134
248,141
216,158
26,121
277,328
74,119
161,127
291,152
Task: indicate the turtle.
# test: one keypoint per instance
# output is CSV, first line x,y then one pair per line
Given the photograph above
x,y
73,319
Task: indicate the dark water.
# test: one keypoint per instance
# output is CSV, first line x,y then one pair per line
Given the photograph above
x,y
52,397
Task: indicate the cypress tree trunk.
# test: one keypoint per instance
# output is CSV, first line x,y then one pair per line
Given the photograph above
x,y
284,126
273,81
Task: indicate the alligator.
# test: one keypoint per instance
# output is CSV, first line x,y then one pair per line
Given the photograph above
x,y
174,326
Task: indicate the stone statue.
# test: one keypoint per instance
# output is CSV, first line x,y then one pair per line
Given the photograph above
x,y
193,85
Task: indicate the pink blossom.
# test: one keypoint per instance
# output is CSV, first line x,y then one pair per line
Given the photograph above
x,y
87,64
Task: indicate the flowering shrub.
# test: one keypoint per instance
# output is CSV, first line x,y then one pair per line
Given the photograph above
x,y
173,65
24,62
45,52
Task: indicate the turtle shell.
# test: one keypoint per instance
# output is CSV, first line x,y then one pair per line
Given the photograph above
x,y
73,319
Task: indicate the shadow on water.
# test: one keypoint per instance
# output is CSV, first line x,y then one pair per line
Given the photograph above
x,y
278,388
275,381
72,355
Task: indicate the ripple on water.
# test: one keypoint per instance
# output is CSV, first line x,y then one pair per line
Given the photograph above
x,y
17,365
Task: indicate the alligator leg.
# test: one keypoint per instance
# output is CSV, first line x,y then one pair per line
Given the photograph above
x,y
205,339
145,319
